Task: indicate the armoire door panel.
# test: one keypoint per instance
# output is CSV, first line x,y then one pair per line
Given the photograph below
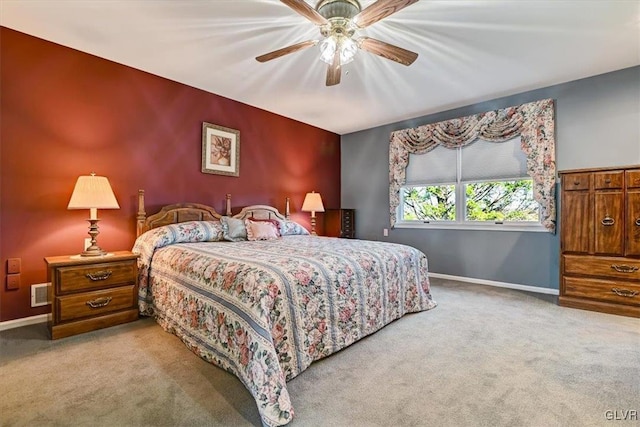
x,y
575,222
609,223
633,224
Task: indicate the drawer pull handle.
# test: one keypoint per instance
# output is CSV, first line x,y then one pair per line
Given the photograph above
x,y
624,292
99,302
624,268
607,221
607,181
638,222
576,182
100,275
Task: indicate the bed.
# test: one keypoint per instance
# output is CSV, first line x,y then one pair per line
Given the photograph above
x,y
264,310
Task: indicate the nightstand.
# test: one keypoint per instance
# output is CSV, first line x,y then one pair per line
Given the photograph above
x,y
89,293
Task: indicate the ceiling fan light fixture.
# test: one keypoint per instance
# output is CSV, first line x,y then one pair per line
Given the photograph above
x,y
338,22
348,49
345,9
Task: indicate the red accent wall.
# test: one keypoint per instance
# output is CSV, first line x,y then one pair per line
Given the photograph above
x,y
65,113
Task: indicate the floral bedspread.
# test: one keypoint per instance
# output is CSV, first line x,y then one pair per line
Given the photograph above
x,y
265,310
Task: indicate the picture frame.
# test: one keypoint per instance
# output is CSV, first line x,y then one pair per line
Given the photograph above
x,y
220,150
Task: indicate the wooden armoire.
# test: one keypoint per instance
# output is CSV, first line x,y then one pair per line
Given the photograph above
x,y
600,240
340,223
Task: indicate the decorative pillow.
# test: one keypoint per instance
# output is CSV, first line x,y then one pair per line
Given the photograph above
x,y
261,230
270,220
233,229
290,228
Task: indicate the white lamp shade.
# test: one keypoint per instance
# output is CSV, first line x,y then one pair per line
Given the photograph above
x,y
312,203
93,192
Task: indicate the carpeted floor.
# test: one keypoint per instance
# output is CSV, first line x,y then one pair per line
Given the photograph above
x,y
484,357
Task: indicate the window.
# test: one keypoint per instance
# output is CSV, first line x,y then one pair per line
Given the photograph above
x,y
483,185
501,201
533,125
429,203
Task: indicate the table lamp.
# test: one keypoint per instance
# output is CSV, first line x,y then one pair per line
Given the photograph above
x,y
93,192
313,203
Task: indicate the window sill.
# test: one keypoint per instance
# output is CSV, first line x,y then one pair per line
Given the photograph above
x,y
520,227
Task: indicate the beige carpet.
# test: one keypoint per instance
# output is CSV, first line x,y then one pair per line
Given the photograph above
x,y
484,357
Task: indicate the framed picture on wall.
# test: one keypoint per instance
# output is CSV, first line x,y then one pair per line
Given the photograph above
x,y
220,150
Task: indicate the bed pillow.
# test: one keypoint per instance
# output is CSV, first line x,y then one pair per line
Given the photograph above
x,y
261,230
270,220
233,229
292,228
147,243
182,232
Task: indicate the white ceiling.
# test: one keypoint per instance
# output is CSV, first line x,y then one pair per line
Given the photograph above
x,y
470,51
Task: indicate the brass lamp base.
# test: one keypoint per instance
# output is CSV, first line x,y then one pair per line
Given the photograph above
x,y
93,249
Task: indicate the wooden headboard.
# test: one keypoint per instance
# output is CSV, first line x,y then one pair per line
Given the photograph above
x,y
182,212
262,212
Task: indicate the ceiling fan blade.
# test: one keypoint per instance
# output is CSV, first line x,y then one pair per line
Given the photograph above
x,y
333,70
380,10
305,10
286,50
388,51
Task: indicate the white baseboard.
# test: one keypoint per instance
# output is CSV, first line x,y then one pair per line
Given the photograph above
x,y
10,324
527,288
25,321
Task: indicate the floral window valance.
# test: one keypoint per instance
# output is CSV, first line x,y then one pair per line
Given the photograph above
x,y
533,122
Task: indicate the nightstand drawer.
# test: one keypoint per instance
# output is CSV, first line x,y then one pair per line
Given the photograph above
x,y
97,276
95,303
606,290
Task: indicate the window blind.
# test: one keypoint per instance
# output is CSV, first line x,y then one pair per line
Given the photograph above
x,y
480,161
484,160
435,167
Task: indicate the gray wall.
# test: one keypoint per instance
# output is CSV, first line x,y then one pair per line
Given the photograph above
x,y
597,125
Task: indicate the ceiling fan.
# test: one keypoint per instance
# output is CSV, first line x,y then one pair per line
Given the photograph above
x,y
339,21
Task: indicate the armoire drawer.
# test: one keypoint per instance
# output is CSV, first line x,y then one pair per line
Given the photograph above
x,y
607,180
618,267
632,178
604,290
576,181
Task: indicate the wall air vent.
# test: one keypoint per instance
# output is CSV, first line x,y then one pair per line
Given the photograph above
x,y
40,294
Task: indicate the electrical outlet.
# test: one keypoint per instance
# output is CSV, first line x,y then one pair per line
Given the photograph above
x,y
13,281
385,232
13,265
